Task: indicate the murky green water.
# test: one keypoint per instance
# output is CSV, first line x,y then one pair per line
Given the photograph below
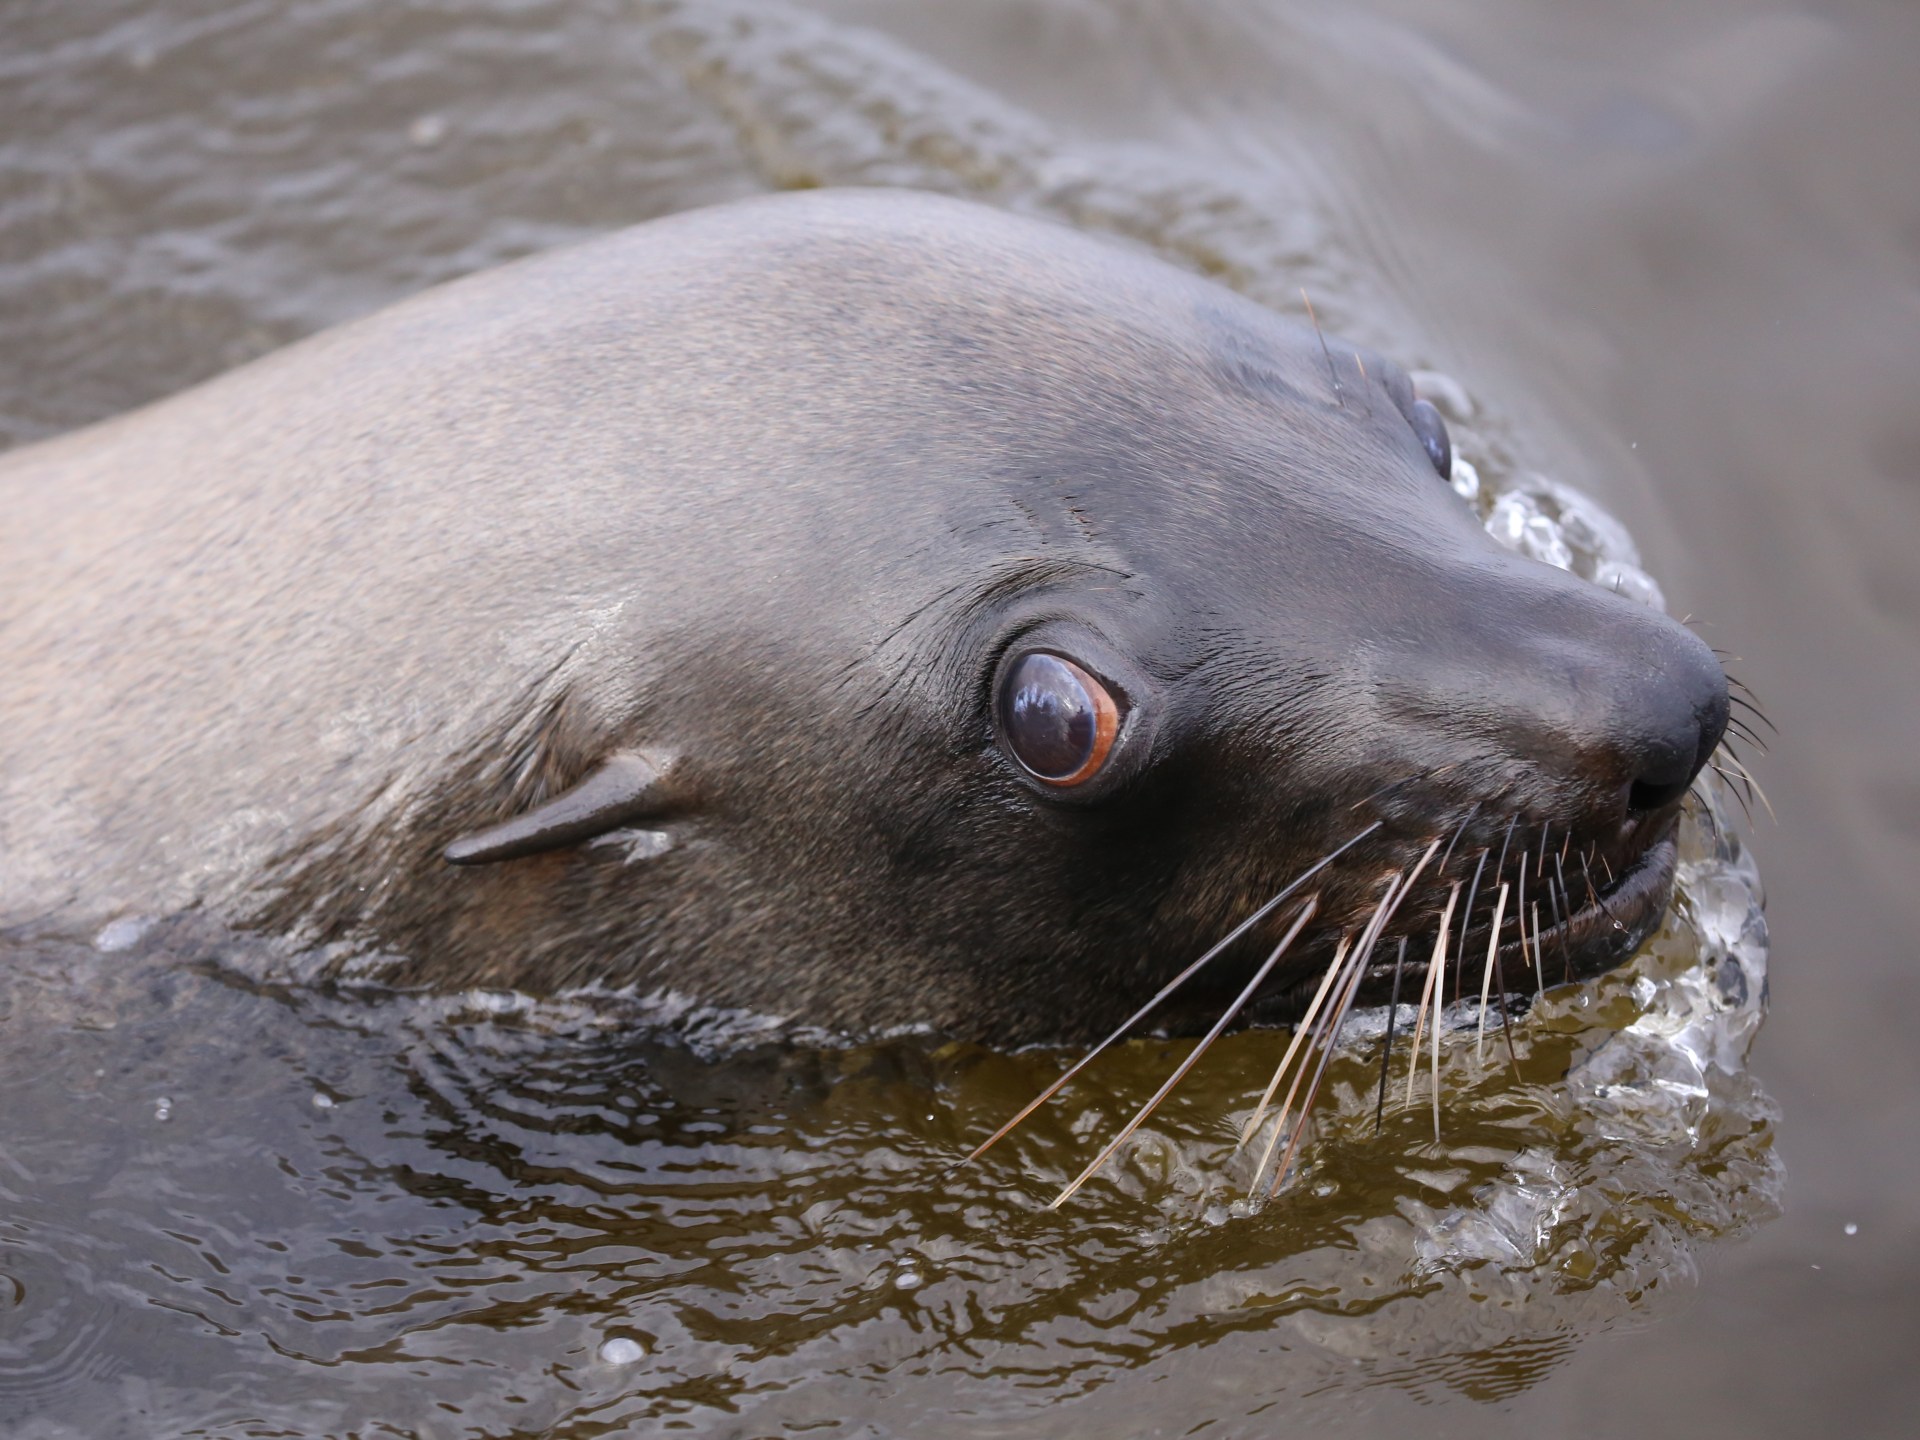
x,y
227,1208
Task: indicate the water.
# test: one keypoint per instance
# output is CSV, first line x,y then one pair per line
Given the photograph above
x,y
1661,253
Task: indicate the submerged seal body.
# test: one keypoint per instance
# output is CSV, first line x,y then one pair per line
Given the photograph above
x,y
866,608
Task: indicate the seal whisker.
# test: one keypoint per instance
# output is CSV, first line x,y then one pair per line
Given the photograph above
x,y
1520,919
1565,899
1506,1020
1747,733
1323,1037
1703,808
1745,704
1459,830
1333,375
1499,869
1486,977
1436,967
1172,985
1553,905
1734,785
1436,1028
1747,775
1393,1011
1390,903
1193,1056
1336,966
1313,1090
1466,924
1400,784
1600,900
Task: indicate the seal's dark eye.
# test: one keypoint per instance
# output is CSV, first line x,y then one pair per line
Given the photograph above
x,y
1058,721
1432,431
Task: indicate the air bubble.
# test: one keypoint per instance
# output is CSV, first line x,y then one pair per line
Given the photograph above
x,y
621,1350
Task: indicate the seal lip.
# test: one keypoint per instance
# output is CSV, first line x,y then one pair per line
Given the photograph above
x,y
1593,939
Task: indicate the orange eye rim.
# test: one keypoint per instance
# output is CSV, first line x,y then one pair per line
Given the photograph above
x,y
1106,728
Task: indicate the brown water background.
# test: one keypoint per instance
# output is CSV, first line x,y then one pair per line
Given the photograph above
x,y
1675,248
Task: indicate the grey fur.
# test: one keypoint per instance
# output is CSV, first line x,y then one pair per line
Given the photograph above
x,y
773,487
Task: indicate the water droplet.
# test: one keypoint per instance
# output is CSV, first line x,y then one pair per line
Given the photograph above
x,y
621,1350
322,1102
908,1278
121,934
1851,1228
163,1108
1630,581
1540,538
428,130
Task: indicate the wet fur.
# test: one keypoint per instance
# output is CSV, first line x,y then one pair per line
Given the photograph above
x,y
772,486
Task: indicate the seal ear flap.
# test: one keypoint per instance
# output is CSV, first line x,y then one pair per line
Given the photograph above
x,y
624,787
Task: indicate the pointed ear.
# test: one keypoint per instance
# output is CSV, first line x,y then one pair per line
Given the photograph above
x,y
627,786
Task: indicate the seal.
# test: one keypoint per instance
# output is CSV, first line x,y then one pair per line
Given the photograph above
x,y
867,608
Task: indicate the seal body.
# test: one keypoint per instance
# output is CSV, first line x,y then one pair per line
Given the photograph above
x,y
762,502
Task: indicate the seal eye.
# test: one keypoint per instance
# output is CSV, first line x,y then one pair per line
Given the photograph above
x,y
1058,721
1432,431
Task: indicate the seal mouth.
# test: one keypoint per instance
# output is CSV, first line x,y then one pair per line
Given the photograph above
x,y
1586,941
1548,947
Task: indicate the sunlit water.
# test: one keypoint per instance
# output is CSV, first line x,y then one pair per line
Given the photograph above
x,y
233,1208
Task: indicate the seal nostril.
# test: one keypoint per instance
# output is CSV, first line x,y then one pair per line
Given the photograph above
x,y
1644,796
1668,766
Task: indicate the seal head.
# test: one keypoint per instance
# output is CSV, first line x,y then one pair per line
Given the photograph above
x,y
866,608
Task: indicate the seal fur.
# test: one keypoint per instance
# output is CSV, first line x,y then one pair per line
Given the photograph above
x,y
772,490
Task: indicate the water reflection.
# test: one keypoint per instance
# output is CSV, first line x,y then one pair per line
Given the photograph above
x,y
532,1214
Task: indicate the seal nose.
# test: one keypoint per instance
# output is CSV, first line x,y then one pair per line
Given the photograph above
x,y
1677,725
1612,708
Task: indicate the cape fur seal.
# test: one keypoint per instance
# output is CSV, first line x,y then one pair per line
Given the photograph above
x,y
868,608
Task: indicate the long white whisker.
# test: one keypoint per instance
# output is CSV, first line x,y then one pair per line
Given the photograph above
x,y
1300,1033
1747,775
1436,1076
1347,972
1437,964
1493,956
1165,990
1397,892
1351,989
1435,968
